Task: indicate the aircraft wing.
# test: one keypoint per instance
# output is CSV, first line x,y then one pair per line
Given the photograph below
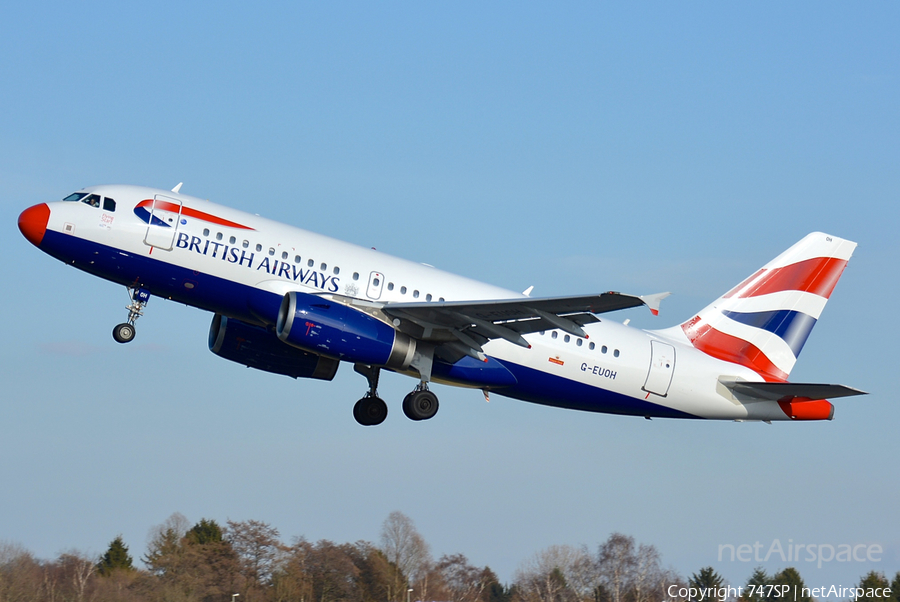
x,y
462,327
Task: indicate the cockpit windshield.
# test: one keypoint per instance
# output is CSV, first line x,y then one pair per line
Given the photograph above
x,y
93,200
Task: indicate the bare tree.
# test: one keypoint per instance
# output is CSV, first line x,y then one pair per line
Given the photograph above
x,y
648,577
78,568
405,548
164,543
21,575
291,579
464,582
557,574
616,564
257,546
333,571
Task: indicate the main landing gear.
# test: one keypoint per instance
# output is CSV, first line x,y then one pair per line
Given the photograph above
x,y
371,409
421,404
124,332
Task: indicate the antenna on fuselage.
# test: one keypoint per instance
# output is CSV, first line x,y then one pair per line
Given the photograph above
x,y
178,187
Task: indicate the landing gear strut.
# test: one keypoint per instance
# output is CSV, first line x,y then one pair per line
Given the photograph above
x,y
421,404
371,409
124,332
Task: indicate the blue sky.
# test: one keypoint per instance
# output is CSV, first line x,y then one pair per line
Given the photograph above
x,y
580,148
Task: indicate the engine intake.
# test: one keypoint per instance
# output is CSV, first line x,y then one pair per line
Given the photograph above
x,y
336,330
256,347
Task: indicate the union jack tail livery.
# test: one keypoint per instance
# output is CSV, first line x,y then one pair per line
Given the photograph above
x,y
764,321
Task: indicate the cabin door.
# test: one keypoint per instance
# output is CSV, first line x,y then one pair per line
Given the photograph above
x,y
165,215
662,367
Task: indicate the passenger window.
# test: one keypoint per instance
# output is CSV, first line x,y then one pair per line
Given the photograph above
x,y
218,236
310,263
356,275
376,282
567,338
390,286
428,297
591,346
296,259
578,342
258,248
616,353
272,251
554,334
337,270
402,290
205,231
603,349
415,294
323,267
284,255
245,244
232,240
109,204
441,299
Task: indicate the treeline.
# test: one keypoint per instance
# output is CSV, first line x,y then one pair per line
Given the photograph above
x,y
247,562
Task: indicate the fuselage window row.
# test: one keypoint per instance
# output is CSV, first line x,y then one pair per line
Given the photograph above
x,y
311,263
578,341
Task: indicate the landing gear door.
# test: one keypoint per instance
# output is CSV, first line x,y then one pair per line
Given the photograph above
x,y
165,215
662,367
376,283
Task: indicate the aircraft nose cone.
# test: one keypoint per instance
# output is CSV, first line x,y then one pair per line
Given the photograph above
x,y
33,223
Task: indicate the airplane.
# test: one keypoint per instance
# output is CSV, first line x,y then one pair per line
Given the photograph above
x,y
296,303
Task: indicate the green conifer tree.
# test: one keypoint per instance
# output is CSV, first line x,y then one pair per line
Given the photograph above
x,y
116,558
789,577
205,532
872,582
755,589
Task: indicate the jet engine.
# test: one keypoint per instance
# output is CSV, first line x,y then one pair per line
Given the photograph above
x,y
336,330
258,348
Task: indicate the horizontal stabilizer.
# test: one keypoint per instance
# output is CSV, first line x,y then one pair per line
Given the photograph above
x,y
788,391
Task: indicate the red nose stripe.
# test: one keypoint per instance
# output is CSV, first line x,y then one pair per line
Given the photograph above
x,y
33,223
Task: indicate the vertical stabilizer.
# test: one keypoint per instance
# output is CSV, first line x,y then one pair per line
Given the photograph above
x,y
764,321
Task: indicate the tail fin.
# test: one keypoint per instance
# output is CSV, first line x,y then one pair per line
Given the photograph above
x,y
764,321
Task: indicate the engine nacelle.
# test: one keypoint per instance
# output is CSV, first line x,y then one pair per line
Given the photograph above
x,y
256,347
336,330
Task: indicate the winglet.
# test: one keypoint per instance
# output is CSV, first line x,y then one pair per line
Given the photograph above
x,y
177,187
652,301
527,291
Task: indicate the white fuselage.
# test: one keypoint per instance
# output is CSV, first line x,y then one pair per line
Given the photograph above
x,y
221,259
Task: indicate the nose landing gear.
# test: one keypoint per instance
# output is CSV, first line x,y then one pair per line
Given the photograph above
x,y
124,332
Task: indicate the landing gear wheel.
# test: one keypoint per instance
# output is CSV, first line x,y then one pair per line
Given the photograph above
x,y
420,405
124,333
370,411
